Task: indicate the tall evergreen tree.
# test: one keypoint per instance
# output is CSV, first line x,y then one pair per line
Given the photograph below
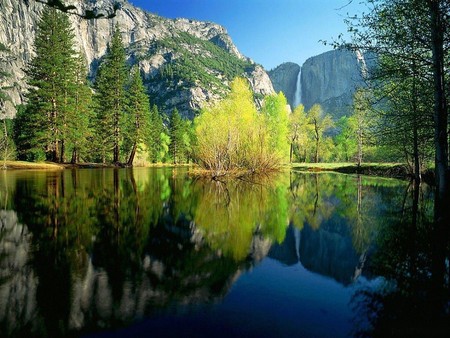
x,y
138,113
156,135
176,131
78,128
111,97
52,78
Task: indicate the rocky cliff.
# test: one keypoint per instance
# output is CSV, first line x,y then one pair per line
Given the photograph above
x,y
284,78
329,79
185,63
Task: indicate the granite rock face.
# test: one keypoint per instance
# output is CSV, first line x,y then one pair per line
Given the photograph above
x,y
329,79
284,78
151,41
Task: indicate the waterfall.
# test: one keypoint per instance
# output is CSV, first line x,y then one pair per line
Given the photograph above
x,y
298,90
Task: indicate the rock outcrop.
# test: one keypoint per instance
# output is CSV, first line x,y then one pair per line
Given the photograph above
x,y
329,79
153,42
284,79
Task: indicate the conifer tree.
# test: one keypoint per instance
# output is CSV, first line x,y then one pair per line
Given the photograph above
x,y
78,127
111,98
138,113
176,132
52,78
156,135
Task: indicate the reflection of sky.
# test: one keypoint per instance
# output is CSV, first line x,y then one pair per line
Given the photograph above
x,y
300,302
271,300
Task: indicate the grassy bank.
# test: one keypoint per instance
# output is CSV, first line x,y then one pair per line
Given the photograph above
x,y
397,170
58,166
30,165
378,169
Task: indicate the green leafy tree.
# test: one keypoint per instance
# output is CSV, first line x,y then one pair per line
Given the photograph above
x,y
111,98
52,79
138,114
298,131
275,112
413,36
233,136
319,124
360,121
346,143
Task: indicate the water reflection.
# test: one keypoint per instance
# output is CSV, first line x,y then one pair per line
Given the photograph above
x,y
412,256
86,250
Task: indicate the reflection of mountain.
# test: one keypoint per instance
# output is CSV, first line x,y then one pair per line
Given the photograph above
x,y
286,252
62,296
328,251
88,250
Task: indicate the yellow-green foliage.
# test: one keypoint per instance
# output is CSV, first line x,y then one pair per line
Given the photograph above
x,y
230,213
275,113
232,135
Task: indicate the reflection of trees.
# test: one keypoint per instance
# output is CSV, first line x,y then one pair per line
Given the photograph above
x,y
311,199
238,216
110,246
341,213
413,258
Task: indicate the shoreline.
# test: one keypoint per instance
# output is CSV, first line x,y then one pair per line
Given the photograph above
x,y
392,170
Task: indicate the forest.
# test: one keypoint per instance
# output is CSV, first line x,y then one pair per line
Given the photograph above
x,y
400,115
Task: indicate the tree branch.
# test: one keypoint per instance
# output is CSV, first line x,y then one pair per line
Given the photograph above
x,y
88,14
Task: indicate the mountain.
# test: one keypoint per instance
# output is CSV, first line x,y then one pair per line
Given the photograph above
x,y
185,63
329,79
284,78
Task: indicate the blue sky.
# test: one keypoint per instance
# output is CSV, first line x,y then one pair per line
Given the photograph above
x,y
268,31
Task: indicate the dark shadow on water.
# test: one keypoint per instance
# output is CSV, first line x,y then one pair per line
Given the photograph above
x,y
412,299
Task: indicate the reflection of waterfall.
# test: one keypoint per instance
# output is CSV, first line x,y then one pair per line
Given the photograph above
x,y
298,90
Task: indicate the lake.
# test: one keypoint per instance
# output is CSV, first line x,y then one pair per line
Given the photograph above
x,y
160,252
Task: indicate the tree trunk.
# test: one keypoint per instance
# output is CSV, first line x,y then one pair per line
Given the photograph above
x,y
73,160
291,152
316,155
359,159
62,153
417,177
442,198
441,213
5,155
132,155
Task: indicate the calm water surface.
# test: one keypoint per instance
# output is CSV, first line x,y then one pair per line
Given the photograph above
x,y
156,252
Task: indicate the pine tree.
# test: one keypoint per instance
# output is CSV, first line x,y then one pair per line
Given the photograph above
x,y
111,98
52,78
78,129
176,147
138,113
155,137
